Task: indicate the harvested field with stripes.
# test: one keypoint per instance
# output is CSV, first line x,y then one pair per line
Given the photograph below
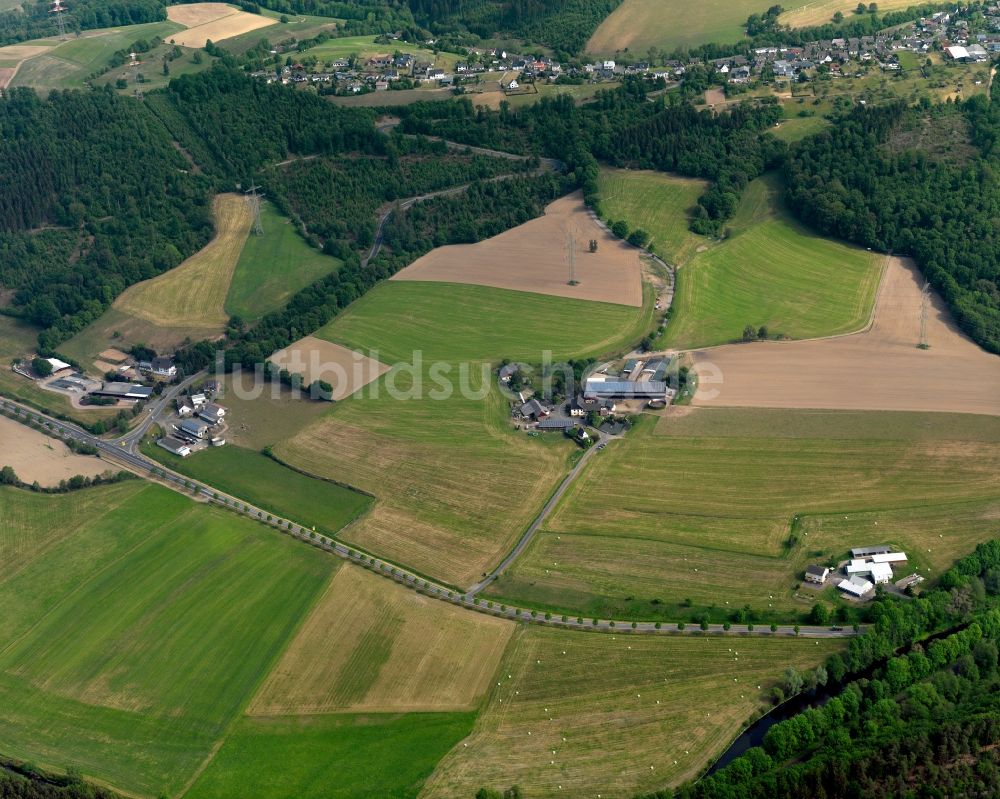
x,y
574,711
373,646
193,295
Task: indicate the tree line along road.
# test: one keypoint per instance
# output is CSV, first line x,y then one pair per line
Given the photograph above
x,y
123,451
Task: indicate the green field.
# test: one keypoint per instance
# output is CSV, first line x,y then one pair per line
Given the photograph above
x,y
273,267
257,479
332,757
771,272
130,643
658,203
454,462
579,714
637,25
70,63
725,518
454,323
364,47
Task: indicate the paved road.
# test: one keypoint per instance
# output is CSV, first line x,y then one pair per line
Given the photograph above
x,y
533,527
113,451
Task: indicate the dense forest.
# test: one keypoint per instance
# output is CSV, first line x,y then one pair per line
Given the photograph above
x,y
34,20
99,199
242,125
926,723
337,199
858,183
623,128
485,209
563,25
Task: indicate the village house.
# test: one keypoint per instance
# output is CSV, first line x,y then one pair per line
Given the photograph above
x,y
817,574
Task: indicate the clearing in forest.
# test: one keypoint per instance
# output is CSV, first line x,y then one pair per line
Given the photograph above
x,y
772,272
878,369
578,713
274,266
212,21
656,202
370,645
536,257
193,294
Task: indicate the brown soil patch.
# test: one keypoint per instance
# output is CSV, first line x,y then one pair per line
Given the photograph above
x,y
878,369
34,456
533,257
194,14
113,355
104,367
315,359
373,646
215,21
19,52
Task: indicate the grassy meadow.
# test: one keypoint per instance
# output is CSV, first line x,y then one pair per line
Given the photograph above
x,y
720,512
277,414
273,267
258,479
575,714
453,462
637,25
193,294
365,47
371,646
338,756
772,272
455,484
658,203
67,65
455,323
133,640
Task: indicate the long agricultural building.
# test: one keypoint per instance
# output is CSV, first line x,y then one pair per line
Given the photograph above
x,y
124,391
597,388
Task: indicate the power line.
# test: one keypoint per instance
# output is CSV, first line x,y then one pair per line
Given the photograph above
x,y
253,198
571,254
133,68
925,304
57,9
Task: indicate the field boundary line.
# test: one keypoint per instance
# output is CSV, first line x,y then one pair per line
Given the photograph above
x,y
832,337
402,575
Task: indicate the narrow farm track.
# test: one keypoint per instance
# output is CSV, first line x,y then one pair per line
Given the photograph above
x,y
123,451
